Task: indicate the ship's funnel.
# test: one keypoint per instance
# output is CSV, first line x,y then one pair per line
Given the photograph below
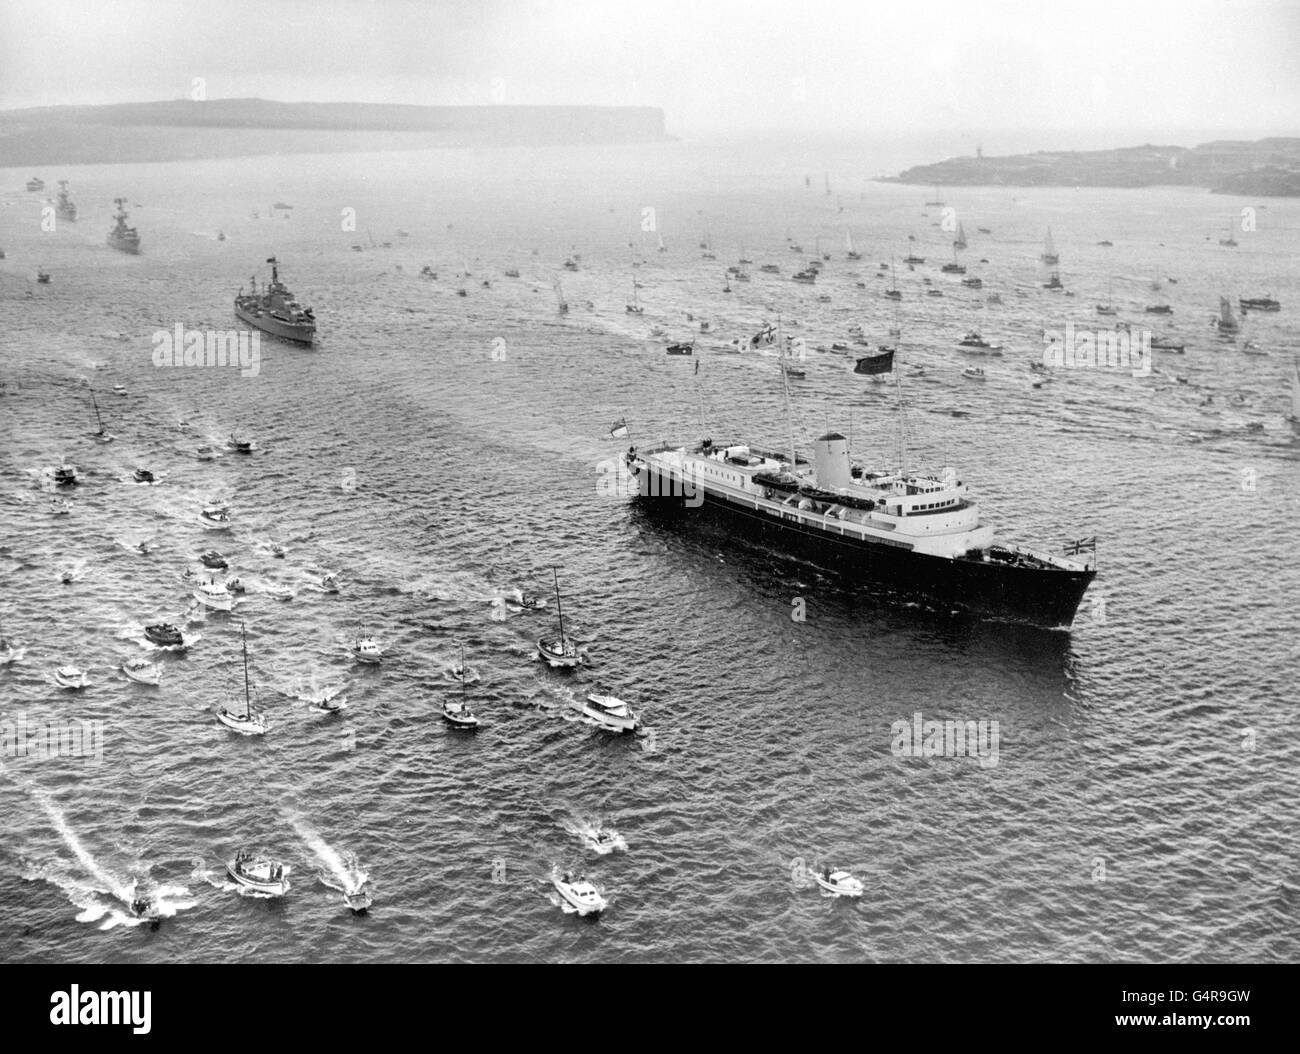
x,y
831,462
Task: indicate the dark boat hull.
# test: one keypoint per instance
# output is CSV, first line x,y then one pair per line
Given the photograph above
x,y
988,588
273,326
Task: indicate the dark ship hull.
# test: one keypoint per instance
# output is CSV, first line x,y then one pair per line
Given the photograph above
x,y
298,333
996,585
124,245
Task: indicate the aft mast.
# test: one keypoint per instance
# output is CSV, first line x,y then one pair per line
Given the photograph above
x,y
559,611
248,709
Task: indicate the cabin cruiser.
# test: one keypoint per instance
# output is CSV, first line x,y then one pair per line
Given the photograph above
x,y
66,475
974,342
142,671
240,444
70,677
974,373
366,649
610,712
164,635
579,894
143,475
458,714
329,582
215,518
839,883
215,595
214,560
259,874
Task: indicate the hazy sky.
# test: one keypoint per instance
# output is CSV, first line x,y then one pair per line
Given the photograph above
x,y
713,66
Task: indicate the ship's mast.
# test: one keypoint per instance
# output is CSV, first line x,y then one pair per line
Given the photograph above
x,y
785,386
558,609
247,705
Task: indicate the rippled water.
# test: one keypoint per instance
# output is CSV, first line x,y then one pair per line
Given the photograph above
x,y
440,451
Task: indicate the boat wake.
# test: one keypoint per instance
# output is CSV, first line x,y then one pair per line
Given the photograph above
x,y
341,871
105,897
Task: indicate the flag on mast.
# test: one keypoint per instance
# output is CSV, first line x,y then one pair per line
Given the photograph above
x,y
619,429
1076,547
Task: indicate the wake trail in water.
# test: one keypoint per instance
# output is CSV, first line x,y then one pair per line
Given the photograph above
x,y
342,868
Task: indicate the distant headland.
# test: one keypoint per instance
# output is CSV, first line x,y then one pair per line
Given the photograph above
x,y
1265,168
183,130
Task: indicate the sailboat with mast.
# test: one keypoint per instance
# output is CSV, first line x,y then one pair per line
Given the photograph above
x,y
850,251
914,535
102,435
635,307
559,296
1050,256
457,712
1226,322
561,650
960,241
893,292
1294,416
251,722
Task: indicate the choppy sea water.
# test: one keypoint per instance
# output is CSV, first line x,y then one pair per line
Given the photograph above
x,y
441,451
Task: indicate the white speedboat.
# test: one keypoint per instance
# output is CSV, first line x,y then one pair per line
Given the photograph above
x,y
215,595
142,671
215,518
70,677
579,894
259,874
458,714
839,883
60,506
610,712
973,373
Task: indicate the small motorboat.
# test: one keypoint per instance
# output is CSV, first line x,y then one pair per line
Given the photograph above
x,y
329,582
215,595
215,518
277,550
610,712
66,475
143,475
164,635
974,373
205,453
839,883
240,444
43,277
366,649
259,874
1159,309
681,349
358,900
214,560
60,507
67,576
70,677
328,704
459,715
974,342
142,671
529,602
579,894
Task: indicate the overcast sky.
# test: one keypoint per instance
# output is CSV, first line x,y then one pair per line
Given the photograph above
x,y
857,65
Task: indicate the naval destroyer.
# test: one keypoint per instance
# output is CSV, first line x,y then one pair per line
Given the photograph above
x,y
274,310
